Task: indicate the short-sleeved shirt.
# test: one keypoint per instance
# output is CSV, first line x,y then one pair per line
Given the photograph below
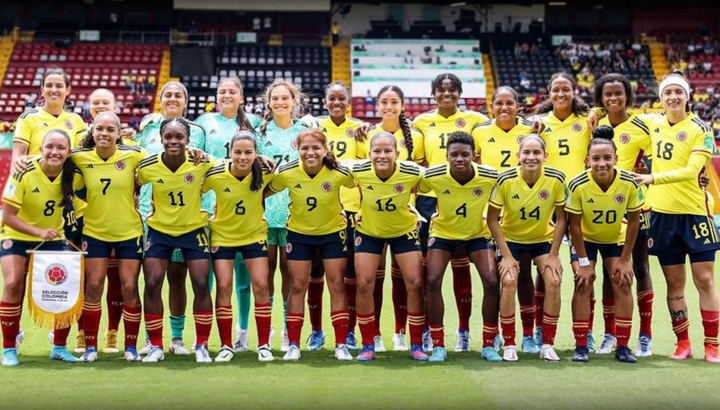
x,y
32,126
498,148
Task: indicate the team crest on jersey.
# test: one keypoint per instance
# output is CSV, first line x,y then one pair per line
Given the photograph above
x,y
84,246
625,138
477,192
189,178
682,136
520,139
650,242
69,125
403,144
358,241
214,249
577,127
326,186
460,123
620,198
350,133
399,188
120,165
544,194
7,244
431,241
294,144
288,248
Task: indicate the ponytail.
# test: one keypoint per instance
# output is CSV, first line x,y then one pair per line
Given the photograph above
x,y
266,120
407,134
67,182
330,161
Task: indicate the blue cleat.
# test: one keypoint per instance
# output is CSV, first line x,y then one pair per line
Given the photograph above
x,y
590,341
61,353
529,346
131,354
417,353
498,342
624,355
316,340
489,354
581,354
367,353
351,341
10,357
463,341
538,336
439,354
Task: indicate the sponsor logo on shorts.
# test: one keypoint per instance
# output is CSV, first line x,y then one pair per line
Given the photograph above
x,y
189,178
288,248
625,138
620,198
477,192
682,136
326,186
650,242
460,123
544,194
120,165
7,244
399,188
358,241
431,241
577,127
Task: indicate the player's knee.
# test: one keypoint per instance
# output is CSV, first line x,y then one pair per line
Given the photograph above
x,y
259,288
705,283
414,284
509,284
13,287
434,283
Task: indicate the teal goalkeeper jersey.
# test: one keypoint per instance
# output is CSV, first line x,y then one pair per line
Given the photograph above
x,y
281,146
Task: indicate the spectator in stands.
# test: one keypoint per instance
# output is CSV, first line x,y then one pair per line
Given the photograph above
x,y
256,23
369,99
525,82
130,82
210,106
641,87
525,49
267,23
643,60
134,123
409,58
707,67
517,50
151,82
249,107
259,109
140,84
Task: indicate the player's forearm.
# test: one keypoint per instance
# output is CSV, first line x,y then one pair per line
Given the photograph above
x,y
13,221
687,173
19,150
560,229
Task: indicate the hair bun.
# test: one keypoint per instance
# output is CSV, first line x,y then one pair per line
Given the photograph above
x,y
603,131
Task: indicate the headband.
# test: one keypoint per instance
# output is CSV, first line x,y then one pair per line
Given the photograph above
x,y
675,80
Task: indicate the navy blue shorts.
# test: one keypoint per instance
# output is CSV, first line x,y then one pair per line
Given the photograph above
x,y
606,250
194,245
534,249
427,207
409,242
249,251
127,249
452,245
674,236
301,247
14,247
644,231
350,230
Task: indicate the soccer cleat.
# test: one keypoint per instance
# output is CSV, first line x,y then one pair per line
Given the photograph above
x,y
427,341
241,340
379,344
644,346
367,353
608,344
488,353
624,355
177,347
316,340
271,336
89,356
417,353
529,346
155,355
285,342
111,345
79,342
590,341
510,353
342,353
131,354
581,354
463,340
498,342
202,355
351,341
538,336
293,353
399,342
19,339
683,350
547,353
439,354
62,354
711,354
225,354
51,337
265,354
146,348
10,357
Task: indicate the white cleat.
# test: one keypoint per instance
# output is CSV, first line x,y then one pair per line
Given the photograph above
x,y
379,344
400,342
463,341
147,346
155,355
202,355
241,340
285,342
644,346
270,337
225,355
89,356
131,355
547,353
293,354
608,344
342,353
510,354
177,347
265,354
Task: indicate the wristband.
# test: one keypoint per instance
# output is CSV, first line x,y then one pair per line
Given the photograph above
x,y
584,262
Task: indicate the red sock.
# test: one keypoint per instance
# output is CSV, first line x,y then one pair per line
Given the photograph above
x,y
593,301
710,326
624,326
680,327
378,300
489,332
154,328
417,323
131,320
294,323
60,336
340,319
608,305
203,325
91,322
549,328
399,297
367,327
527,317
580,330
462,286
263,315
437,332
507,327
645,307
314,301
351,295
10,314
80,323
224,319
114,297
539,303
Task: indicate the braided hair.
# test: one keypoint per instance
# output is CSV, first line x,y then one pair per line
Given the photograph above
x,y
404,123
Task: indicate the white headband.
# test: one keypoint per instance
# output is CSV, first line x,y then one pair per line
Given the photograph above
x,y
675,80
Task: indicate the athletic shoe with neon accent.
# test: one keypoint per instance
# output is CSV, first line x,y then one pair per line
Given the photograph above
x,y
241,340
581,354
351,341
379,344
608,344
177,347
538,337
62,354
89,356
285,342
624,355
644,346
399,342
131,354
293,353
498,342
147,346
10,357
529,346
342,353
547,353
417,353
683,350
590,341
439,354
265,354
80,342
155,355
711,354
316,340
463,340
111,344
427,343
225,355
202,355
510,353
367,353
488,353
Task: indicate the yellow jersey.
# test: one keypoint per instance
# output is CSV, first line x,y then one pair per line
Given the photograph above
x,y
315,207
603,211
32,126
385,210
528,211
460,206
498,148
176,196
566,142
418,154
435,128
632,138
239,210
